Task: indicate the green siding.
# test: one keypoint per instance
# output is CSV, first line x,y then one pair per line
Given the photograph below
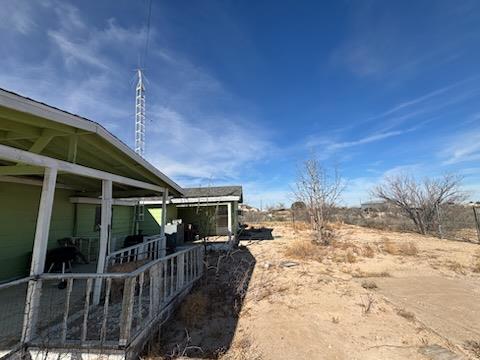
x,y
203,217
122,223
153,218
18,216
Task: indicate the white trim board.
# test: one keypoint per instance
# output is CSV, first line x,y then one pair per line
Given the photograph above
x,y
25,157
98,201
205,199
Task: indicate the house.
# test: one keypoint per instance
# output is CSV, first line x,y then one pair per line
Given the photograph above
x,y
374,205
65,182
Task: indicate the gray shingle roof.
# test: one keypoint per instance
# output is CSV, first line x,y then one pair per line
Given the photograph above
x,y
214,191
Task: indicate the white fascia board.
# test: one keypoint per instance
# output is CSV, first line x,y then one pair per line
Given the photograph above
x,y
21,156
22,104
205,199
98,201
202,204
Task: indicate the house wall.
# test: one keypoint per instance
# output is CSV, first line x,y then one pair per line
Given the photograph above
x,y
122,223
153,218
204,218
18,215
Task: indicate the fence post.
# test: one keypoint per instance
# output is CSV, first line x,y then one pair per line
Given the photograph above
x,y
180,270
126,316
477,222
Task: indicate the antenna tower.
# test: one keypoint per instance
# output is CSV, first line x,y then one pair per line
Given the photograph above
x,y
140,115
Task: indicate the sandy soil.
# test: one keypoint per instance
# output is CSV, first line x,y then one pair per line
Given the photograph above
x,y
350,300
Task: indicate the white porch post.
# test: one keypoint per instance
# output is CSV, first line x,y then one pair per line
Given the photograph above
x,y
105,225
229,210
39,253
163,246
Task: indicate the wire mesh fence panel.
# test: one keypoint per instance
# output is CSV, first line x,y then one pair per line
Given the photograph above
x,y
12,309
458,222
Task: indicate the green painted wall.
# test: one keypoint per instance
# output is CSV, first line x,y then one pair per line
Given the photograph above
x,y
122,223
204,218
18,216
153,218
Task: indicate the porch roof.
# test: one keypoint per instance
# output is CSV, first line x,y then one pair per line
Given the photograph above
x,y
32,126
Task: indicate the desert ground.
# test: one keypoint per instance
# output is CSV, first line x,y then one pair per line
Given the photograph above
x,y
370,294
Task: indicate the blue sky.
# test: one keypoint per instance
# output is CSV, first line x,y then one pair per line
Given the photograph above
x,y
241,92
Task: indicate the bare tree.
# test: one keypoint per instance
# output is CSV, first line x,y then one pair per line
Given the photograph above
x,y
420,200
319,190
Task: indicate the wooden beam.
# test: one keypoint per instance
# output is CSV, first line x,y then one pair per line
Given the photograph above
x,y
72,148
42,141
163,245
122,193
21,170
17,155
14,127
43,221
29,119
124,160
98,201
34,182
105,227
39,253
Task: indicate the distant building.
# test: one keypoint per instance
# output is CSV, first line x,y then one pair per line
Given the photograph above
x,y
373,205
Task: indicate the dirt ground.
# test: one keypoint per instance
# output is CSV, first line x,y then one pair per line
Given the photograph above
x,y
370,294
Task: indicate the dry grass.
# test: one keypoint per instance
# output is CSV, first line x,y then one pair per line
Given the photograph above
x,y
304,249
371,274
368,251
456,267
476,267
395,248
194,308
406,314
350,257
473,347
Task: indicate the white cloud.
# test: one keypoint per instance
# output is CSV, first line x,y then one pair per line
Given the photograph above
x,y
463,147
206,147
17,15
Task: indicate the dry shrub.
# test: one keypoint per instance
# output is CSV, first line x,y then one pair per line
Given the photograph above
x,y
368,274
368,284
350,257
406,249
409,249
368,251
333,226
406,314
301,225
303,249
474,347
390,247
456,267
194,308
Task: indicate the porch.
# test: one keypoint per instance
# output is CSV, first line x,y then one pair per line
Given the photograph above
x,y
61,178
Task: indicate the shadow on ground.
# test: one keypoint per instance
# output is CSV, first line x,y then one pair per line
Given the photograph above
x,y
253,233
205,323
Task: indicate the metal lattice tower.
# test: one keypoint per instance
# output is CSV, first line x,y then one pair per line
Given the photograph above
x,y
140,115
